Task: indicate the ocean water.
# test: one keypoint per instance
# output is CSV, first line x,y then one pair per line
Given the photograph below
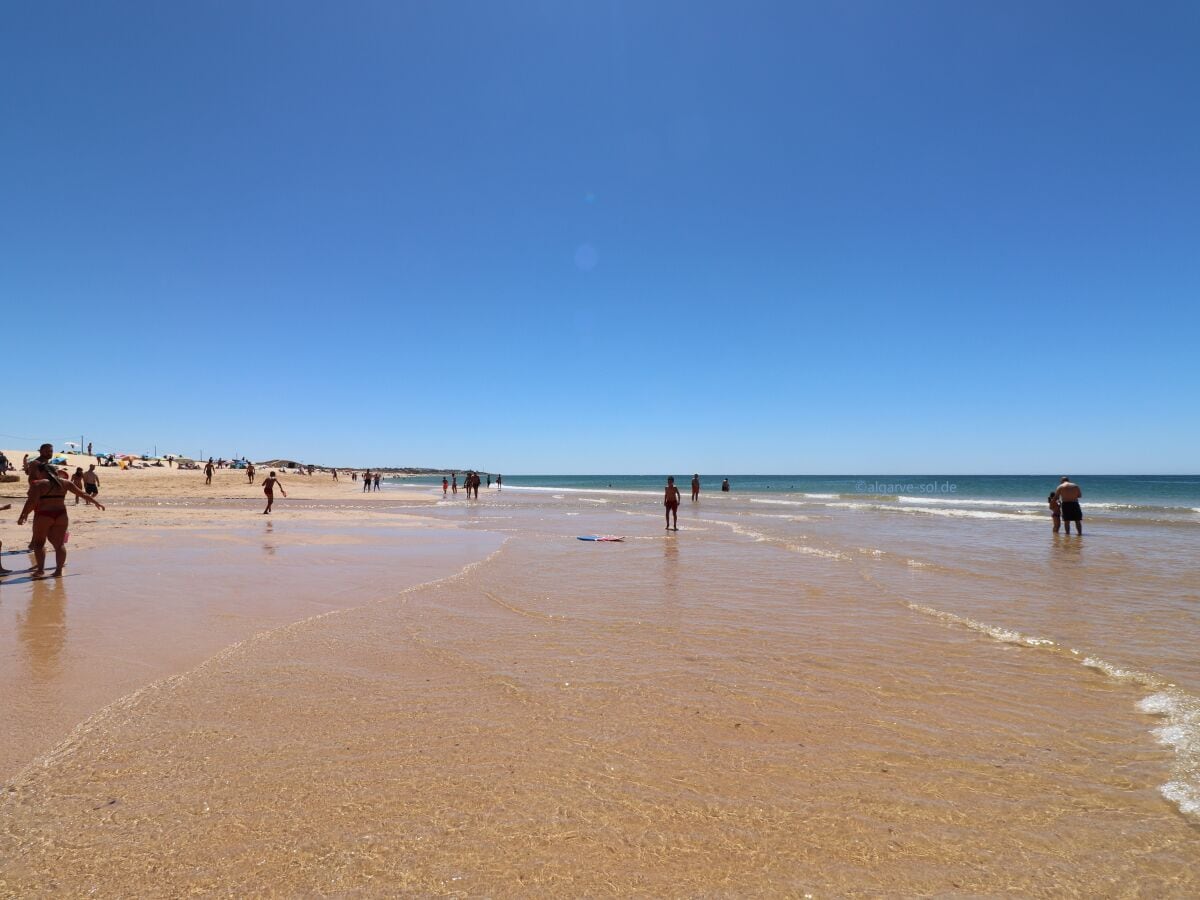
x,y
1146,498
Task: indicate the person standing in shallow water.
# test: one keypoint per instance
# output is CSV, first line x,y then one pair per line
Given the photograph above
x,y
725,486
48,503
671,502
1055,510
1068,494
695,488
269,484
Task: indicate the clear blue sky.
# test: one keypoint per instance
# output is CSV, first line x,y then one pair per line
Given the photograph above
x,y
607,237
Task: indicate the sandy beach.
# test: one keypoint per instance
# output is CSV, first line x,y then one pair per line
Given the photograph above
x,y
374,694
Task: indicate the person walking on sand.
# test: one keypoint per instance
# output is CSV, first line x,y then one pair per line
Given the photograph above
x,y
695,488
208,471
48,502
77,480
366,481
269,484
671,502
377,477
1068,494
91,481
445,487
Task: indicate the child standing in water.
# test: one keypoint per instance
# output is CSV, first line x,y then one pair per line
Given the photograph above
x,y
671,502
1055,510
269,489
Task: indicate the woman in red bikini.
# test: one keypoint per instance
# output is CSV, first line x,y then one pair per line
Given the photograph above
x,y
48,503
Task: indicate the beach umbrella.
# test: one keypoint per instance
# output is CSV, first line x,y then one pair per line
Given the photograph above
x,y
70,444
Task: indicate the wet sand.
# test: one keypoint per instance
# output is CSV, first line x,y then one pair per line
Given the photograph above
x,y
723,711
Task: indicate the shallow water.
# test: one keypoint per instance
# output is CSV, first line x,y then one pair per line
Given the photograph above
x,y
824,700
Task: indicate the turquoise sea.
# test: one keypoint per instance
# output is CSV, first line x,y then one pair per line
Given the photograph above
x,y
1127,497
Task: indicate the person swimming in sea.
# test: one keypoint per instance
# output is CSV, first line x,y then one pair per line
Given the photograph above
x,y
1055,510
269,489
671,502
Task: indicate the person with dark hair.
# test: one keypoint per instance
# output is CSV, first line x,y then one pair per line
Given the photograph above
x,y
208,471
269,484
91,481
725,485
77,480
1068,494
48,503
1055,510
695,488
671,502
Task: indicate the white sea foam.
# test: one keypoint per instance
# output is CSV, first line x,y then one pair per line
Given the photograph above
x,y
934,511
783,502
1180,730
1179,711
1004,635
1131,675
563,490
822,496
816,551
965,501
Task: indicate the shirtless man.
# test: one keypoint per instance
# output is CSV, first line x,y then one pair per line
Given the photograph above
x,y
695,488
91,481
671,502
269,489
208,471
48,503
1068,494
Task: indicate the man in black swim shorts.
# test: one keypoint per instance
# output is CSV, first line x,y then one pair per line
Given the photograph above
x,y
1068,495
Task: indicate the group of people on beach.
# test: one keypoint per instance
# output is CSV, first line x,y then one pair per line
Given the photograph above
x,y
471,484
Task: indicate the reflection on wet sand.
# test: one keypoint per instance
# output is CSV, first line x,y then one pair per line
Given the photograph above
x,y
43,627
